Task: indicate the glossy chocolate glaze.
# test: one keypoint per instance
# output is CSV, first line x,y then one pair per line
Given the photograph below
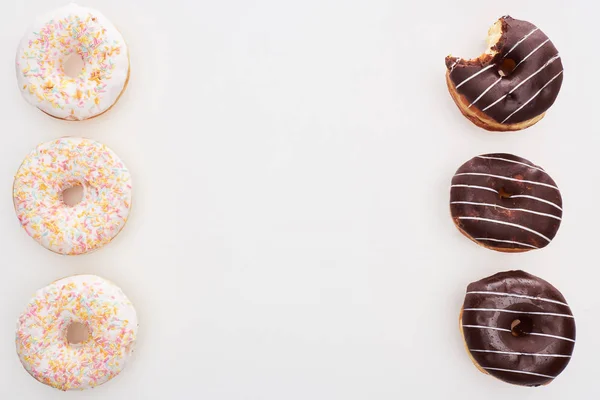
x,y
543,311
538,72
505,202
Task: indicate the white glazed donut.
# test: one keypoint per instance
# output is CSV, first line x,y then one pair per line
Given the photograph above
x,y
90,302
55,166
55,36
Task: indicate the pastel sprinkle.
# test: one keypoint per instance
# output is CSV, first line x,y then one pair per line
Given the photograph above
x,y
60,164
41,336
73,30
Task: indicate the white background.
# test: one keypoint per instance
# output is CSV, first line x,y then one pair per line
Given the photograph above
x,y
290,236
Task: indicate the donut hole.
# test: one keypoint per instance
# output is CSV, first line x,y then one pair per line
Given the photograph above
x,y
507,67
73,195
77,333
521,326
504,194
73,65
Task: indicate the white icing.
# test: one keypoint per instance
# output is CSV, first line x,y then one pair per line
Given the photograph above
x,y
506,178
511,161
55,166
474,187
454,65
552,336
474,75
515,353
506,208
102,307
520,312
507,223
521,41
40,72
520,296
516,371
512,197
524,196
493,328
533,97
550,61
485,91
508,241
530,54
494,103
556,57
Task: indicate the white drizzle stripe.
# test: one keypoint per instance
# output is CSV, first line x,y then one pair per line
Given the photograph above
x,y
521,41
533,97
511,161
512,197
474,75
506,208
550,61
530,54
507,178
516,371
519,312
485,91
514,353
455,64
493,328
556,57
520,296
535,198
508,241
493,221
494,103
474,187
553,337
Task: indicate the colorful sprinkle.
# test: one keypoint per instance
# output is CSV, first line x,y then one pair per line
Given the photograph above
x,y
41,337
61,164
73,30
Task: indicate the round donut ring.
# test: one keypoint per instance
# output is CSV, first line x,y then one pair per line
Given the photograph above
x,y
518,328
108,325
513,83
44,49
58,165
505,203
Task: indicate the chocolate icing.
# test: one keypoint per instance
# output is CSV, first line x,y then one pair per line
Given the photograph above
x,y
490,348
505,202
538,69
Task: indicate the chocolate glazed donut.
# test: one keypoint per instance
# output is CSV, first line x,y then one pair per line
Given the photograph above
x,y
505,203
518,328
513,83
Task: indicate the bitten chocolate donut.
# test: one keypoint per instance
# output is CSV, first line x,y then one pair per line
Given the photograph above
x,y
517,328
505,203
512,84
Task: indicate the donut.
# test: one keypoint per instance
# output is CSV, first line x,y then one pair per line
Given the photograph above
x,y
505,203
77,333
53,167
517,328
512,84
77,31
